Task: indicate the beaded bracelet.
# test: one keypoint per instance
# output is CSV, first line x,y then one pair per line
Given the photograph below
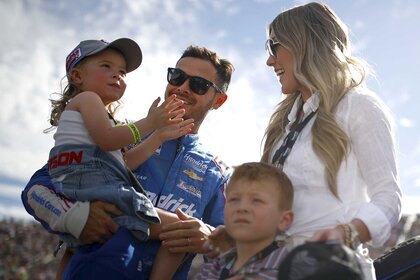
x,y
135,132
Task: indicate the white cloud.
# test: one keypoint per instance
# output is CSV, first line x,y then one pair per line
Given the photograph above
x,y
410,204
10,191
15,212
404,122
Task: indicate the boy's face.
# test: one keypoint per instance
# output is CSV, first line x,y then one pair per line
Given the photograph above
x,y
103,73
252,211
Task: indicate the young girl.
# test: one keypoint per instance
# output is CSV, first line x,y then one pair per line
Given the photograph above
x,y
89,162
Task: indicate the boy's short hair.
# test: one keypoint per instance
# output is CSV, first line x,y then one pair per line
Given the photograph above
x,y
259,171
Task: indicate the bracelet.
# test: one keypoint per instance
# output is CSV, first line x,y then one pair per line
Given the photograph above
x,y
354,236
135,132
347,234
351,235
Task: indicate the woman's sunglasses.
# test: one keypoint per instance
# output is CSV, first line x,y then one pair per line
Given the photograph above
x,y
198,85
271,47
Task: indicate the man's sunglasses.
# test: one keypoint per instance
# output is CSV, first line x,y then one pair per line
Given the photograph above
x,y
271,47
198,85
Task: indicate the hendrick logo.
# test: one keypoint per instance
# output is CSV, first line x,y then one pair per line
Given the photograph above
x,y
167,202
198,165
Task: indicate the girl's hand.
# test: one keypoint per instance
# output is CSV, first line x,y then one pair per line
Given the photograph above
x,y
169,112
174,131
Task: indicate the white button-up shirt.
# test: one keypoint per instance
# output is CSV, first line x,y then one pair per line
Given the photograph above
x,y
367,181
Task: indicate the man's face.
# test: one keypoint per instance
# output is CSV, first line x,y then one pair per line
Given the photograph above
x,y
196,106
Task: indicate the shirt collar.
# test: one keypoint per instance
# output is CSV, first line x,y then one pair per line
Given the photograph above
x,y
311,105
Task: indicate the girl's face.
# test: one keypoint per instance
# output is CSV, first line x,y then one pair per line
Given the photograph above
x,y
104,74
282,62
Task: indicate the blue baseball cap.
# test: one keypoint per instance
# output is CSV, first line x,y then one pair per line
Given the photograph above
x,y
128,48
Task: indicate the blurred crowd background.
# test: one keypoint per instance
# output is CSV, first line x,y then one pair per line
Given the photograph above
x,y
27,250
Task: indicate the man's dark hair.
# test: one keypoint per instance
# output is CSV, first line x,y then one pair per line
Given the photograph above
x,y
224,67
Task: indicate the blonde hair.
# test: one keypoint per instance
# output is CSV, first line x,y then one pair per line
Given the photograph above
x,y
71,90
319,43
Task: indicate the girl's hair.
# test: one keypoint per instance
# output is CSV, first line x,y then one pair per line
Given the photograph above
x,y
70,91
319,43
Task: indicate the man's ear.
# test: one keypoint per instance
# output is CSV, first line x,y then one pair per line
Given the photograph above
x,y
76,76
285,220
220,100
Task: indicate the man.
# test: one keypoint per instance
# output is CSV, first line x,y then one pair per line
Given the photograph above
x,y
181,175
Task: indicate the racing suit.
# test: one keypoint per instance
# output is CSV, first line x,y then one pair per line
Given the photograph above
x,y
180,174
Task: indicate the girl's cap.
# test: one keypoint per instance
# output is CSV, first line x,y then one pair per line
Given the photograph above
x,y
129,49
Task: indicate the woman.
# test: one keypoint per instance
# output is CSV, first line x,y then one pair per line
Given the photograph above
x,y
340,154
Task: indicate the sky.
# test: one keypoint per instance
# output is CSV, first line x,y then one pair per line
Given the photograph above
x,y
37,35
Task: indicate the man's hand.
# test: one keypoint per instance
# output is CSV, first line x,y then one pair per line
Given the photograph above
x,y
186,235
99,226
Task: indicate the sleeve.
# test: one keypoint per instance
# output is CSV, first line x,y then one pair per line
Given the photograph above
x,y
372,139
213,214
56,213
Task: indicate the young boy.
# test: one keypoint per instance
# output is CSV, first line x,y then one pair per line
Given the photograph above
x,y
258,210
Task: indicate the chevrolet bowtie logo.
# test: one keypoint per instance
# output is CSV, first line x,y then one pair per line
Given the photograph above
x,y
192,175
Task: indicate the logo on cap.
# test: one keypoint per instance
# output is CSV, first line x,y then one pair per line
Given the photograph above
x,y
72,58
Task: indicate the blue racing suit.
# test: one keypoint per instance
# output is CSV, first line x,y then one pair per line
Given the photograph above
x,y
180,174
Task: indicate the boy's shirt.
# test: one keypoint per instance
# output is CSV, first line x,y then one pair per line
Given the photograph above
x,y
263,265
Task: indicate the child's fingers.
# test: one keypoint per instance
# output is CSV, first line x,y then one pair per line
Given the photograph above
x,y
156,102
174,116
187,122
168,101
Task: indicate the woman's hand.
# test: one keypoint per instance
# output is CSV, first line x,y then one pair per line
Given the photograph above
x,y
328,234
186,235
338,233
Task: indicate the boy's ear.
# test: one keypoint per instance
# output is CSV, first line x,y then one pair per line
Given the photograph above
x,y
285,220
220,100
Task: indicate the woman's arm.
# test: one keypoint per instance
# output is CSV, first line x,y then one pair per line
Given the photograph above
x,y
372,139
